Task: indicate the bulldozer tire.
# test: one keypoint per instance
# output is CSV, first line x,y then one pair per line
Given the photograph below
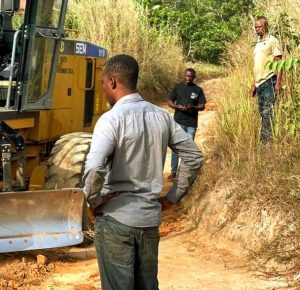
x,y
65,169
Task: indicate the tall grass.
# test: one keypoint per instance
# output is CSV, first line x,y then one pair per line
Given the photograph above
x,y
238,125
269,176
121,27
238,122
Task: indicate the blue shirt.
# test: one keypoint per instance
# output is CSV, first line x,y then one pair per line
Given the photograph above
x,y
127,156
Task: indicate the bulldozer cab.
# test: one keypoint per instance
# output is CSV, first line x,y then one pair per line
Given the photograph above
x,y
29,55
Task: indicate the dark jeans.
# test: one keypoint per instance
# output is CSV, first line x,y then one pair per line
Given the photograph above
x,y
127,256
191,132
266,99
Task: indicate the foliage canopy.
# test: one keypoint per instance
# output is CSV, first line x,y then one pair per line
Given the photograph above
x,y
204,26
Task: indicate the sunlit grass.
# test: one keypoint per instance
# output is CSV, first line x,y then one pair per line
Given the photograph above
x,y
267,177
121,27
207,71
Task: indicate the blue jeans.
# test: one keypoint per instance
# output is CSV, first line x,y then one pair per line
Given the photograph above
x,y
266,99
127,256
191,132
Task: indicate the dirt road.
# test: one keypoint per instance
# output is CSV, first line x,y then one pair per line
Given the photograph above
x,y
187,258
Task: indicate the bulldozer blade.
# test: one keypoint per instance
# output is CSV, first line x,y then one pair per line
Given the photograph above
x,y
40,219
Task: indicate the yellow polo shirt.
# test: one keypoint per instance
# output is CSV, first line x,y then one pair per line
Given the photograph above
x,y
265,50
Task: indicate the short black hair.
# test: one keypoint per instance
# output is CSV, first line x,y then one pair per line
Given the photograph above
x,y
191,70
125,68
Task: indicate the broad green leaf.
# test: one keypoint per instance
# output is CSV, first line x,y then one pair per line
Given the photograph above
x,y
274,66
268,65
288,64
281,63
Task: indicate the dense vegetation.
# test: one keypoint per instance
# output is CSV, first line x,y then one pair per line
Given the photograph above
x,y
160,33
204,26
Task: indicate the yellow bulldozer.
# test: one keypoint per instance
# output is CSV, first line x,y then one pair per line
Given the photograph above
x,y
50,99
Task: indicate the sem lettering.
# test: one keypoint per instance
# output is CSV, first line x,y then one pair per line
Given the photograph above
x,y
80,48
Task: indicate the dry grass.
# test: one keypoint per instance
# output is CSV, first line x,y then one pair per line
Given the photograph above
x,y
207,71
121,27
268,177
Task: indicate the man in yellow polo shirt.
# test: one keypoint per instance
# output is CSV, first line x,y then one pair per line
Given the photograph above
x,y
267,83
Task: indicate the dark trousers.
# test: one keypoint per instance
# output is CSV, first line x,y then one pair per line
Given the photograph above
x,y
127,256
266,99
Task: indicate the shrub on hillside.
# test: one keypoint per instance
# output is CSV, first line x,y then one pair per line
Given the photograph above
x,y
204,26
